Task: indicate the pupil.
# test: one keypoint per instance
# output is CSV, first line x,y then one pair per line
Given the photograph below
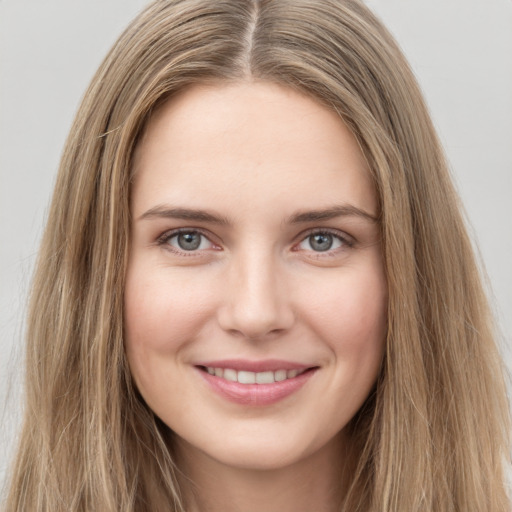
x,y
189,241
321,242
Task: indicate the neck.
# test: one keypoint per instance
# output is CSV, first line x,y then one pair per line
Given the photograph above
x,y
317,482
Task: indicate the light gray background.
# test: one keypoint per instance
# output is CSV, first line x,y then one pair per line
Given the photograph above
x,y
461,51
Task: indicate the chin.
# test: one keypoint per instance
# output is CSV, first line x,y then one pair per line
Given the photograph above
x,y
264,453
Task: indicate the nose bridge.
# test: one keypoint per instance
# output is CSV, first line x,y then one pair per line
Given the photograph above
x,y
256,302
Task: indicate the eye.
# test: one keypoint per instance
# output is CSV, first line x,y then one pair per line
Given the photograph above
x,y
322,241
187,241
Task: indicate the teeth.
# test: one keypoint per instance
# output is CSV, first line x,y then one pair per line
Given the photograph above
x,y
244,377
230,374
247,377
280,375
265,377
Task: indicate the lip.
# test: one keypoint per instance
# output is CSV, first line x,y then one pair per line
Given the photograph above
x,y
256,394
267,365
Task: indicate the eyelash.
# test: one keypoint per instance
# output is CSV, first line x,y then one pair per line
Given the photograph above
x,y
346,242
167,236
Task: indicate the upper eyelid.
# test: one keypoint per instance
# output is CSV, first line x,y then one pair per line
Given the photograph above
x,y
166,235
342,235
163,239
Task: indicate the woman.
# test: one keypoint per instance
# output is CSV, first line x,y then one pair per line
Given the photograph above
x,y
255,290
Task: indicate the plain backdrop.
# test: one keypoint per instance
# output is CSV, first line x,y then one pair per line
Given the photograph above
x,y
460,50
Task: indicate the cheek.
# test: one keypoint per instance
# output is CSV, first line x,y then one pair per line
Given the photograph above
x,y
355,332
162,311
351,317
162,315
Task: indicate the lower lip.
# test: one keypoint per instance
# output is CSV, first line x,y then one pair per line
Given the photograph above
x,y
256,394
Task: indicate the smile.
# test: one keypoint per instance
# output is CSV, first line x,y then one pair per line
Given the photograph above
x,y
247,377
255,383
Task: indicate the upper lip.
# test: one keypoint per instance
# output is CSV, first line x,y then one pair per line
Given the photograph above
x,y
266,365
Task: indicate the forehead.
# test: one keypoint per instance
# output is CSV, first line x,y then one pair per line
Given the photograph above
x,y
260,142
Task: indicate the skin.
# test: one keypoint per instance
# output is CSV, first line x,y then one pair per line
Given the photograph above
x,y
254,154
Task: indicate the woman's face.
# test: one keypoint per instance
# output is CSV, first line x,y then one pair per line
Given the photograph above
x,y
255,302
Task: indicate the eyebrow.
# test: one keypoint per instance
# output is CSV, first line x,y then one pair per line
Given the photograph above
x,y
163,211
331,213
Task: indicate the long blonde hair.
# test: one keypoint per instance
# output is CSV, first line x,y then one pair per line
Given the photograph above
x,y
435,434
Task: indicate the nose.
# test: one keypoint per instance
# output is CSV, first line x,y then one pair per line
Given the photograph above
x,y
255,302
